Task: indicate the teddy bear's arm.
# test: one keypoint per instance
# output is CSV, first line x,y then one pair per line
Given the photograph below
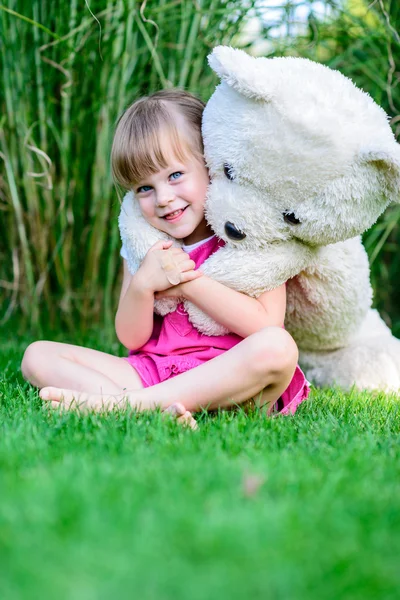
x,y
256,271
249,272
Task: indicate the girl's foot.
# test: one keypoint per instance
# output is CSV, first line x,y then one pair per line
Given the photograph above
x,y
182,415
74,400
82,401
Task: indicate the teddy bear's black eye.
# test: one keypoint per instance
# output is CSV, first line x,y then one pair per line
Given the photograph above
x,y
228,171
291,218
233,232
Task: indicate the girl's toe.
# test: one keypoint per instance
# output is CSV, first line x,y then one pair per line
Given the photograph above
x,y
59,395
50,393
176,410
188,420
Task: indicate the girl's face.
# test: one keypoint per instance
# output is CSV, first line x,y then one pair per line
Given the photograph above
x,y
172,200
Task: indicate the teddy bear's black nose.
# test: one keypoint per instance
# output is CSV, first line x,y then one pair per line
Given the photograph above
x,y
233,233
291,218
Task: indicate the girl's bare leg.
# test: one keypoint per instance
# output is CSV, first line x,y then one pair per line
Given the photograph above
x,y
83,369
262,365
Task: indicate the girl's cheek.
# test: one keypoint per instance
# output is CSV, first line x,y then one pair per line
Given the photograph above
x,y
147,207
187,189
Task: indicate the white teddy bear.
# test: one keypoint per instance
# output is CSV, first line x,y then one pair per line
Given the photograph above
x,y
301,162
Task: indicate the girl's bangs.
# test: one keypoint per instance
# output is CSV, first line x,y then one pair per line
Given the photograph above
x,y
155,151
149,152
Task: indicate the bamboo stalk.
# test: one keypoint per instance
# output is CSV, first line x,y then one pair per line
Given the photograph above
x,y
64,100
21,229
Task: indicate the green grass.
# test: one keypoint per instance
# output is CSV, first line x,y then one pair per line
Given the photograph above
x,y
121,506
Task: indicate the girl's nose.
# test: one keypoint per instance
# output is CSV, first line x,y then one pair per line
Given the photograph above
x,y
164,197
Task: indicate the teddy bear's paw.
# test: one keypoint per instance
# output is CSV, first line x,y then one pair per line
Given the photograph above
x,y
372,364
164,306
203,322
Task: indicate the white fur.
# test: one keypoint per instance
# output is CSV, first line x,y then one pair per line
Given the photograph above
x,y
299,138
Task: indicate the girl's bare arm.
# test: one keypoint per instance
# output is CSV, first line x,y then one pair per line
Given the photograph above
x,y
236,311
134,318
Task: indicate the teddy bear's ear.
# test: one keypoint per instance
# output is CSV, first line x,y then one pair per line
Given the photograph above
x,y
388,162
241,71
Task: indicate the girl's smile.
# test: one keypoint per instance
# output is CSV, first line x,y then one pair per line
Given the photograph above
x,y
175,216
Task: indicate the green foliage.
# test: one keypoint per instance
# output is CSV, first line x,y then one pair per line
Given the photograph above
x,y
67,74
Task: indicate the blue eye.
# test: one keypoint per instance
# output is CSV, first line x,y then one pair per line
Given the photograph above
x,y
143,189
176,175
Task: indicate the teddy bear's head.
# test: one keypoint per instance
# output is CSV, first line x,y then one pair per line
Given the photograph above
x,y
295,150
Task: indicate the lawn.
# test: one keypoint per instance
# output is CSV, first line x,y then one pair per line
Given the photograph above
x,y
126,506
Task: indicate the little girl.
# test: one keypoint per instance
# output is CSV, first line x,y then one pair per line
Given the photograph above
x,y
158,152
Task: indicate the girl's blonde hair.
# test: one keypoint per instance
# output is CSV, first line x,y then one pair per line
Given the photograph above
x,y
139,147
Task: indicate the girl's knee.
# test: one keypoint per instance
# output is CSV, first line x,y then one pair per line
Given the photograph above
x,y
273,352
34,359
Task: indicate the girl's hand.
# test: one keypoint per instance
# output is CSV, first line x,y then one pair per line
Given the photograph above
x,y
176,291
165,266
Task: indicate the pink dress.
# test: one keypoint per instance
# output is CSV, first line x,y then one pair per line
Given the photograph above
x,y
175,346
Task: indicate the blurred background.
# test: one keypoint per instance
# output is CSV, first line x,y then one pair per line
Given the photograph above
x,y
68,69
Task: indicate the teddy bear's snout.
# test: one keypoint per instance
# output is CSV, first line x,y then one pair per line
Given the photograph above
x,y
233,233
290,218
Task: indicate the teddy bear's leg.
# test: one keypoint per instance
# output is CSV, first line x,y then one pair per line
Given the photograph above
x,y
371,361
328,301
